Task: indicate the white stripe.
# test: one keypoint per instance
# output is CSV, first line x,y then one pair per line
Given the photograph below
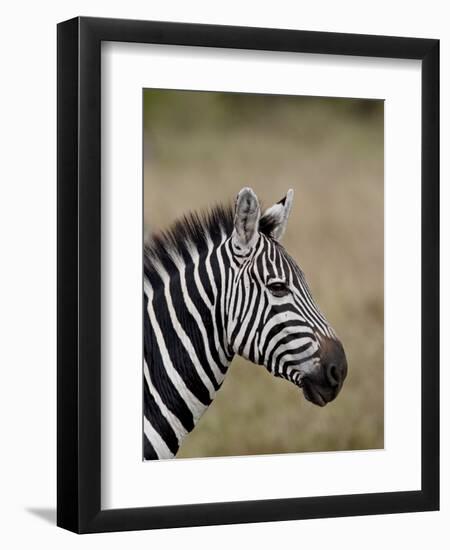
x,y
245,322
185,340
195,258
161,449
190,306
251,335
261,284
297,342
230,282
235,306
218,340
173,420
195,406
211,248
293,345
308,366
281,318
222,298
309,310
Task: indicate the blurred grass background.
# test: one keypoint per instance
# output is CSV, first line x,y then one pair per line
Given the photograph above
x,y
201,148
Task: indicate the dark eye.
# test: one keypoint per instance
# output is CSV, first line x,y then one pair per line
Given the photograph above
x,y
278,289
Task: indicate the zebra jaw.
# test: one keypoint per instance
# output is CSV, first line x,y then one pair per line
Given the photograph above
x,y
297,379
307,380
295,375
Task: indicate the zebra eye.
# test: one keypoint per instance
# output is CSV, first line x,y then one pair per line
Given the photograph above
x,y
278,289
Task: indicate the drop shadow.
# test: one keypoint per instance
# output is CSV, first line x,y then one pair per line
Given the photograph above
x,y
46,514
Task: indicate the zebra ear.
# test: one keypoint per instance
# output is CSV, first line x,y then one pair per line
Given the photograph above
x,y
274,220
246,219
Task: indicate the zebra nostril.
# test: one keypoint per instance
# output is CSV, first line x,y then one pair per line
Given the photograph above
x,y
333,375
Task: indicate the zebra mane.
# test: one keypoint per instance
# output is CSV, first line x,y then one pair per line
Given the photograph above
x,y
193,231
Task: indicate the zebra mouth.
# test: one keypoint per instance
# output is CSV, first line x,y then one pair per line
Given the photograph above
x,y
312,394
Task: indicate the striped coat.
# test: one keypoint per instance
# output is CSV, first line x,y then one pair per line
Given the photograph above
x,y
220,284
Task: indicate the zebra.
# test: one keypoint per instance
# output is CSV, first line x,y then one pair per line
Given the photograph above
x,y
216,284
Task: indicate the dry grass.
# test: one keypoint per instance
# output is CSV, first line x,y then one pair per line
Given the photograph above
x,y
333,158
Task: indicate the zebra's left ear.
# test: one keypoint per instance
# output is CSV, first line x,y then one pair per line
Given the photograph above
x,y
274,220
246,219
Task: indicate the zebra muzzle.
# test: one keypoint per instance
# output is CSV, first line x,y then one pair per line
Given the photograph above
x,y
324,383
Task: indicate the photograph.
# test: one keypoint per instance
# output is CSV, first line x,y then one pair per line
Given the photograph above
x,y
263,274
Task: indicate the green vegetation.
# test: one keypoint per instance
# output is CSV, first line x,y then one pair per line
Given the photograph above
x,y
200,149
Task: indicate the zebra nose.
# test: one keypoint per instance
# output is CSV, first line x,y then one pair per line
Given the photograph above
x,y
333,374
334,364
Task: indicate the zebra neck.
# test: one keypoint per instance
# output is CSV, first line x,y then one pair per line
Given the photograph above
x,y
185,350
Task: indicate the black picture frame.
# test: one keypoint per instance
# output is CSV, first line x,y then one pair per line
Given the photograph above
x,y
79,280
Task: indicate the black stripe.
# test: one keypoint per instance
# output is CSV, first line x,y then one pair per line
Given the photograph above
x,y
258,267
252,321
293,351
242,313
149,451
221,290
245,255
286,339
309,310
271,251
295,363
307,301
278,263
159,377
258,357
240,293
279,328
203,274
230,254
180,357
158,421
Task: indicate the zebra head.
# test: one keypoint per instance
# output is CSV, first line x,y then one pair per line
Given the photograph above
x,y
272,318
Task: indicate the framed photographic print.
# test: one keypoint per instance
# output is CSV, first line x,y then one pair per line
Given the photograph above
x,y
248,292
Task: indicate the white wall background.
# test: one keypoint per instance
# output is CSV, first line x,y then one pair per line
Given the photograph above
x,y
28,269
